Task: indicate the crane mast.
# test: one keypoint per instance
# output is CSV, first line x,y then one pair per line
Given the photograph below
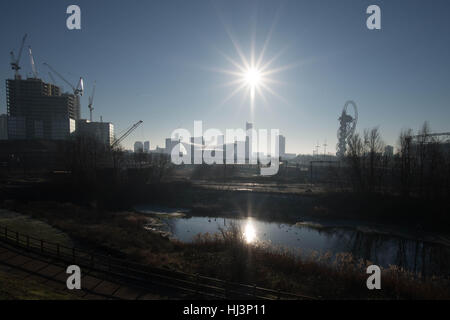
x,y
33,65
15,61
91,102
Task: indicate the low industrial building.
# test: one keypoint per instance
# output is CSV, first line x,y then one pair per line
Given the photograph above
x,y
103,132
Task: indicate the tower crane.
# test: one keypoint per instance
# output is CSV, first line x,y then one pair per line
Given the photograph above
x,y
126,134
15,61
33,66
78,90
91,101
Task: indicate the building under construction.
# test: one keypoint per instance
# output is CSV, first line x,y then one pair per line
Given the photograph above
x,y
39,110
42,122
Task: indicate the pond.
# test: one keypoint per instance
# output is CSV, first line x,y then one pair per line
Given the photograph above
x,y
383,249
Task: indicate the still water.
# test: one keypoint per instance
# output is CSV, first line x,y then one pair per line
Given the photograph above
x,y
380,249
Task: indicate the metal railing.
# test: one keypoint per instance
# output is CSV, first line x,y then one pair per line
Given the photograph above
x,y
143,276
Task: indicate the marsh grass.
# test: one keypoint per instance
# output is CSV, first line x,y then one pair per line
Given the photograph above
x,y
339,276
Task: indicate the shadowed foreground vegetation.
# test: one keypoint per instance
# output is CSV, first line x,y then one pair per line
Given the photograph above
x,y
228,256
340,277
16,288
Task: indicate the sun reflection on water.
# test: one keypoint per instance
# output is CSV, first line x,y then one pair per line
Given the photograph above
x,y
249,232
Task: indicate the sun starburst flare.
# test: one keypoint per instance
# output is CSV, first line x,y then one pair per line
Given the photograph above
x,y
252,78
253,74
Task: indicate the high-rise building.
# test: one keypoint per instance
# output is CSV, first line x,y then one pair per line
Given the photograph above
x,y
196,149
159,150
103,132
248,145
138,147
38,110
389,151
171,144
146,146
3,127
282,145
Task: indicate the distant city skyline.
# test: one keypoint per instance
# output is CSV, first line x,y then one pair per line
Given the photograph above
x,y
168,64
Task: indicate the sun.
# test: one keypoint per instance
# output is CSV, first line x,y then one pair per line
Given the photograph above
x,y
253,77
252,74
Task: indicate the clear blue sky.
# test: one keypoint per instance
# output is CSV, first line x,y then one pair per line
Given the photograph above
x,y
155,61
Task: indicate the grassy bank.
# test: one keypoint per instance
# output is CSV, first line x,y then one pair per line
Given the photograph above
x,y
120,233
33,227
15,288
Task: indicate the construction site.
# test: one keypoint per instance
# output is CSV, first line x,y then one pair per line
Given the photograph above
x,y
42,120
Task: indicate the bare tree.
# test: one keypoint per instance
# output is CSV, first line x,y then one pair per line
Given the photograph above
x,y
421,153
374,146
405,140
355,153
